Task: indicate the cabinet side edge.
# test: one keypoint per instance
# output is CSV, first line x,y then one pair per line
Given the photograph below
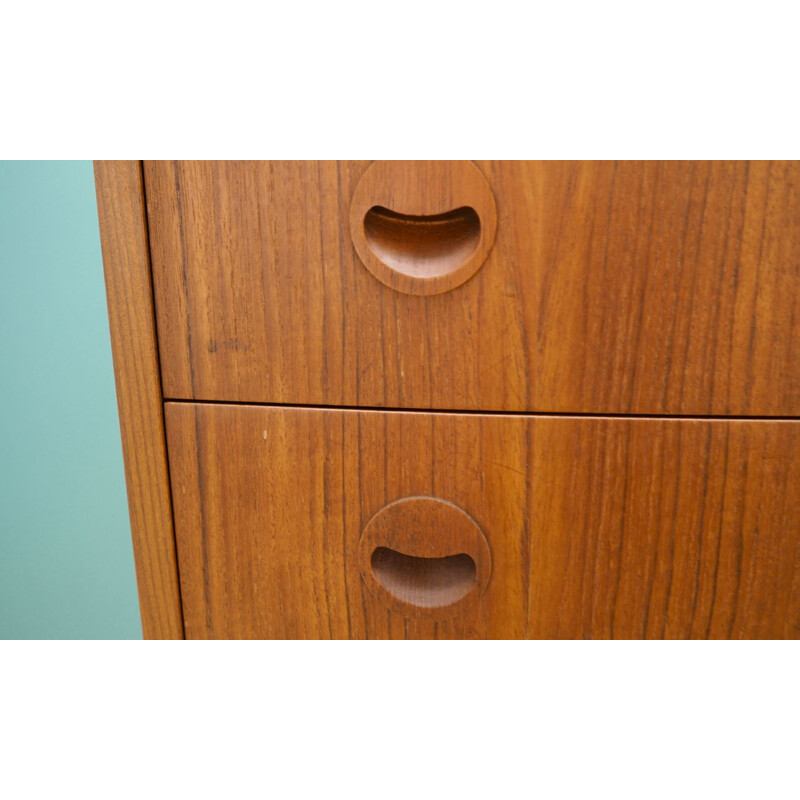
x,y
126,264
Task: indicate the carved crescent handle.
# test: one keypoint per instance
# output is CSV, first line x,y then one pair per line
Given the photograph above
x,y
423,227
424,557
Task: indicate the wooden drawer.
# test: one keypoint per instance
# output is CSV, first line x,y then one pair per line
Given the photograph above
x,y
288,524
611,288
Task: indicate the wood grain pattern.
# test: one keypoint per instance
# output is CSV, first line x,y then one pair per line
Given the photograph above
x,y
123,234
628,287
598,527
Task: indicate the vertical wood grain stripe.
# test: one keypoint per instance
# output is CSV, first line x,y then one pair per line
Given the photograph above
x,y
123,236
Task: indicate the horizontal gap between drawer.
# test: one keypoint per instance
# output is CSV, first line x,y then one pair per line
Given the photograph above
x,y
472,412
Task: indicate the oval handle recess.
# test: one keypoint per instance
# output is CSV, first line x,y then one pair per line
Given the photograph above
x,y
425,582
423,227
424,557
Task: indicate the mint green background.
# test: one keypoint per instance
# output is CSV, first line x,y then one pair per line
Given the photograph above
x,y
66,561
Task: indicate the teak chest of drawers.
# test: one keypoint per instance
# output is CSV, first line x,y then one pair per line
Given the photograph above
x,y
457,399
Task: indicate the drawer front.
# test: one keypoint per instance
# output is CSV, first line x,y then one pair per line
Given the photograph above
x,y
631,287
314,523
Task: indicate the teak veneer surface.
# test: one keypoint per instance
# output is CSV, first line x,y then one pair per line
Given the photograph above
x,y
123,234
572,288
611,288
598,527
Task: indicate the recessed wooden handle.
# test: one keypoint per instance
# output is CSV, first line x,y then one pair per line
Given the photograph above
x,y
425,557
424,582
423,227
